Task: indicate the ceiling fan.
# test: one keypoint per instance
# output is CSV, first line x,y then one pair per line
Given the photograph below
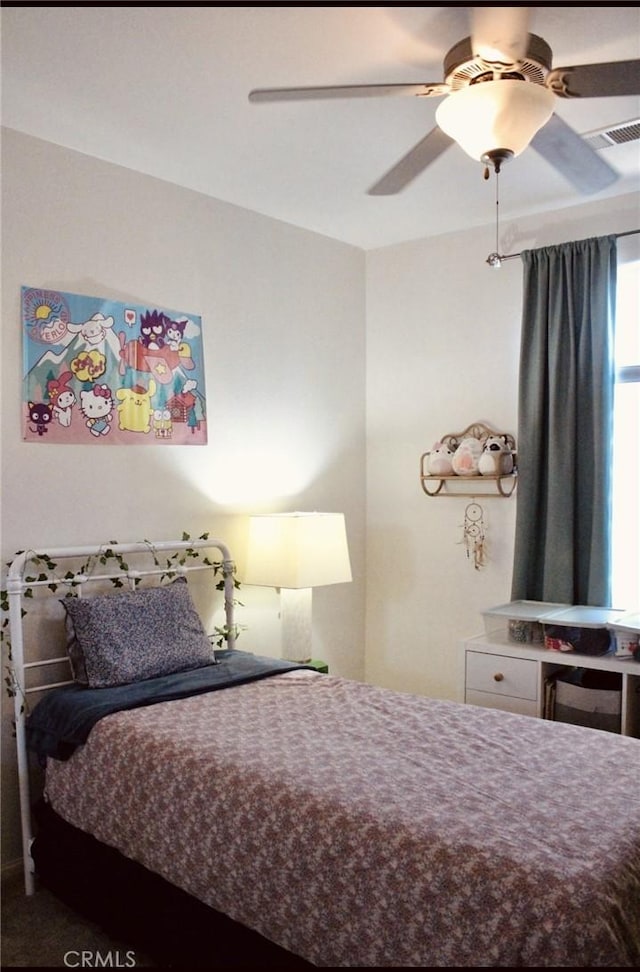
x,y
499,91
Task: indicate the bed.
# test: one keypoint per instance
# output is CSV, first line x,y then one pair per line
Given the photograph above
x,y
254,812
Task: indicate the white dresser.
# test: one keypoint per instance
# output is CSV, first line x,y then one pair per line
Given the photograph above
x,y
501,674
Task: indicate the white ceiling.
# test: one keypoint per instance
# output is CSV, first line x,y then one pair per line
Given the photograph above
x,y
163,90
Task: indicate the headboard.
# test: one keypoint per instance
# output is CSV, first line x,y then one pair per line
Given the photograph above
x,y
82,571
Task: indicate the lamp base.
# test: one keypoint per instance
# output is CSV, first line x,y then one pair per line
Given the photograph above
x,y
295,616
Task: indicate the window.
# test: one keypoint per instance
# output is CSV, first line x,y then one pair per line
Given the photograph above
x,y
626,445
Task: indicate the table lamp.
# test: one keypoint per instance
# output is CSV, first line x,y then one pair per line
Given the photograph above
x,y
296,552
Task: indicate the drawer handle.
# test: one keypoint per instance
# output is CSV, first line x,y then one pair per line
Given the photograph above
x,y
498,677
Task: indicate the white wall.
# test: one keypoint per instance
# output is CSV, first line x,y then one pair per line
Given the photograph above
x,y
443,341
284,341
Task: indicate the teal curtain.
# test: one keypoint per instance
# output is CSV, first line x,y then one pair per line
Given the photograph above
x,y
565,424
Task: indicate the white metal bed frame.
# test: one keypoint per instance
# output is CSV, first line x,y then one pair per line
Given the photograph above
x,y
19,581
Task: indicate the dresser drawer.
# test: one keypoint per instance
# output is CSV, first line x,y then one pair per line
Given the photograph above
x,y
501,675
508,703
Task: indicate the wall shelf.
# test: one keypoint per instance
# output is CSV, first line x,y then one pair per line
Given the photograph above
x,y
475,485
470,485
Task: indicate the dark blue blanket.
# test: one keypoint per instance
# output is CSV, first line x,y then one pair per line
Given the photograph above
x,y
63,719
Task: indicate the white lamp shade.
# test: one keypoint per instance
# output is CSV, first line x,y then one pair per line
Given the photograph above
x,y
492,115
297,550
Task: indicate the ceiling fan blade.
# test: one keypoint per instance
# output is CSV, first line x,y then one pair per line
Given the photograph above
x,y
573,157
412,164
500,35
349,91
595,80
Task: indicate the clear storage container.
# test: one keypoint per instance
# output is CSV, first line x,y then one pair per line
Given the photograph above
x,y
626,635
582,629
520,621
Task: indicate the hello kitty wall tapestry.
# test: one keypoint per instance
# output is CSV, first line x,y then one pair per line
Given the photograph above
x,y
99,372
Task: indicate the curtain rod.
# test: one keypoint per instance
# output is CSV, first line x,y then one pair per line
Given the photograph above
x,y
496,259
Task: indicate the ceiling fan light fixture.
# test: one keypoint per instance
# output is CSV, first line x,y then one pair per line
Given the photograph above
x,y
495,119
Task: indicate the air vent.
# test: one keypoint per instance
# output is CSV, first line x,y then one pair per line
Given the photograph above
x,y
602,138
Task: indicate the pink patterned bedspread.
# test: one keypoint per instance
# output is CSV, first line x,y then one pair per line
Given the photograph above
x,y
356,826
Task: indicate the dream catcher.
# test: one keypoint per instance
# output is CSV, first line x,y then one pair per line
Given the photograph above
x,y
473,536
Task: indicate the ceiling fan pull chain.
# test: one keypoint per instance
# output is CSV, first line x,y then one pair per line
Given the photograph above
x,y
494,259
497,210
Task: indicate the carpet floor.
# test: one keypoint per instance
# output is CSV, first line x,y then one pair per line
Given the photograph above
x,y
42,932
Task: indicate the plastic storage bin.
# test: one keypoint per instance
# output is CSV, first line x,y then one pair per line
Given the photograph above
x,y
520,621
582,629
626,635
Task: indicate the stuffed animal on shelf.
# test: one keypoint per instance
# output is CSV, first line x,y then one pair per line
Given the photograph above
x,y
466,457
439,460
496,458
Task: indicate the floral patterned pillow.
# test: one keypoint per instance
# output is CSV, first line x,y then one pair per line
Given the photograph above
x,y
127,637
